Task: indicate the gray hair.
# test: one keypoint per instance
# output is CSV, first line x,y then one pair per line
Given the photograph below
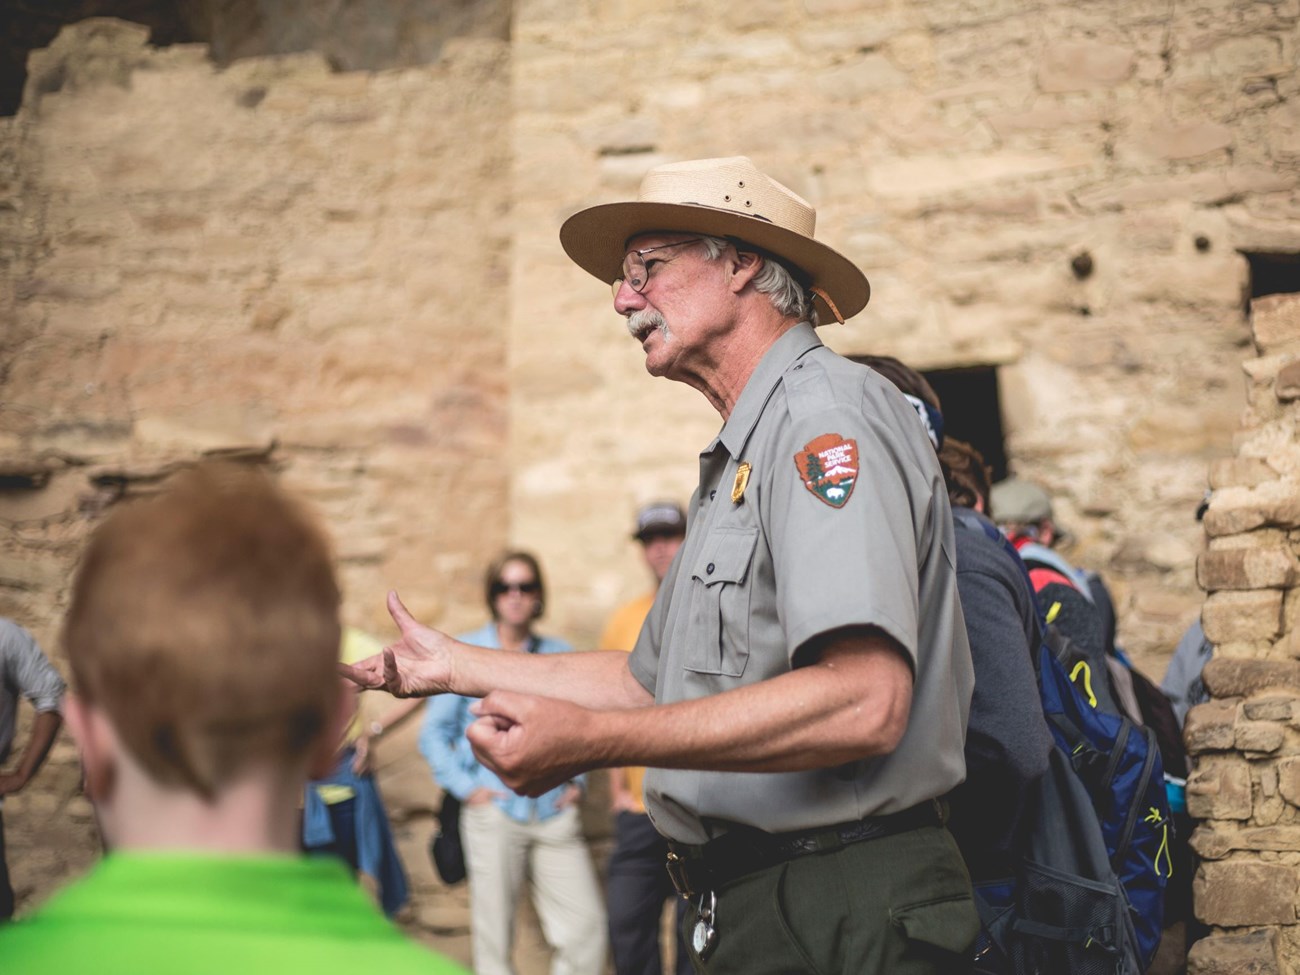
x,y
774,280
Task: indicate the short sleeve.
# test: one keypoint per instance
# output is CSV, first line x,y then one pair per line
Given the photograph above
x,y
32,673
852,560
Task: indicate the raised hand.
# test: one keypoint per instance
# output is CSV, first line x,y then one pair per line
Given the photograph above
x,y
418,664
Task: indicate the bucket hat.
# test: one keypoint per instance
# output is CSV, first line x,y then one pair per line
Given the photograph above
x,y
730,198
1019,501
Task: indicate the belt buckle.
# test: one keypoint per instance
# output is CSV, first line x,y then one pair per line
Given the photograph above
x,y
680,875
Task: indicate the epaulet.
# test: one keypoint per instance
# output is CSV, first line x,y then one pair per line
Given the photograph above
x,y
807,388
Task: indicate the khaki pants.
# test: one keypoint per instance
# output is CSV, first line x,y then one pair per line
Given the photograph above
x,y
898,905
552,854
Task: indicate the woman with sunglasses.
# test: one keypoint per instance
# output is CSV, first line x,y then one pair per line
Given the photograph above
x,y
509,837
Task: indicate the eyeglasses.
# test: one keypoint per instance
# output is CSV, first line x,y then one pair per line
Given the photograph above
x,y
526,588
635,270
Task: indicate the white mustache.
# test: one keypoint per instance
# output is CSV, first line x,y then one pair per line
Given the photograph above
x,y
639,323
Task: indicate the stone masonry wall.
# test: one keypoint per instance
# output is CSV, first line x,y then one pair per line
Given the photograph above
x,y
272,262
1246,740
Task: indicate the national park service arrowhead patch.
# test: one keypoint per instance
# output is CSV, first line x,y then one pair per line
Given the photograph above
x,y
828,466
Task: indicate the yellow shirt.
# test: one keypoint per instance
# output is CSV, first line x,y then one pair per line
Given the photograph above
x,y
355,645
620,634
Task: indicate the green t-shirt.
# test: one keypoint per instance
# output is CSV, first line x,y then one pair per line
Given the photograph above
x,y
195,914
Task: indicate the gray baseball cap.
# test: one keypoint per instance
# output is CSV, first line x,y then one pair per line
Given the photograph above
x,y
660,518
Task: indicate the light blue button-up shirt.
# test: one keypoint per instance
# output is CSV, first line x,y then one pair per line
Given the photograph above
x,y
444,745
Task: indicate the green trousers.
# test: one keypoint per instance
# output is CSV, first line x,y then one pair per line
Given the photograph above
x,y
898,905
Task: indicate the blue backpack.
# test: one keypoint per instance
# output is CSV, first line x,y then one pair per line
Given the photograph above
x,y
1090,888
1118,763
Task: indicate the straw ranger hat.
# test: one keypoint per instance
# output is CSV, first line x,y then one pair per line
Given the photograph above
x,y
721,198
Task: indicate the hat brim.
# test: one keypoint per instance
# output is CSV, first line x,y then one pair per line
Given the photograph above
x,y
596,239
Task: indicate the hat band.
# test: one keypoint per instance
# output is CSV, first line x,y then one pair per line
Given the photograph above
x,y
739,213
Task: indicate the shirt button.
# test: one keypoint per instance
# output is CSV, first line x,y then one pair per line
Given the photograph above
x,y
708,569
712,495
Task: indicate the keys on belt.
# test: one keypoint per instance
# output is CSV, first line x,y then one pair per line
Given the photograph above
x,y
689,875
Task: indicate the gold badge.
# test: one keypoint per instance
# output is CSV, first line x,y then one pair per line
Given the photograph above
x,y
742,481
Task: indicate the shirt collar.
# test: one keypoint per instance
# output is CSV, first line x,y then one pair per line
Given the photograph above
x,y
783,353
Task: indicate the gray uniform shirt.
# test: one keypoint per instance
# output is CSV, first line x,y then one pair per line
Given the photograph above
x,y
843,521
24,670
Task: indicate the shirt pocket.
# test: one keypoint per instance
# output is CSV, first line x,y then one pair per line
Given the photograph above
x,y
720,597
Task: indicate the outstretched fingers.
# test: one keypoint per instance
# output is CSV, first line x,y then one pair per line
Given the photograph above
x,y
367,674
400,614
392,675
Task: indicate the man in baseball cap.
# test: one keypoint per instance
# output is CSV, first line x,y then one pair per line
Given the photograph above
x,y
800,689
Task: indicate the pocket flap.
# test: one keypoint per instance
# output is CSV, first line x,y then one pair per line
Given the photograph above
x,y
726,556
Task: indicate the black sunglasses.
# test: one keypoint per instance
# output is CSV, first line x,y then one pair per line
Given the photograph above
x,y
527,588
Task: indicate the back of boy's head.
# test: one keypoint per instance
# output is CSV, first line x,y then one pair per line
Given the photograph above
x,y
204,623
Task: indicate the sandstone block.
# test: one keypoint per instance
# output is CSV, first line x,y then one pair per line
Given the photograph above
x,y
1288,782
1211,727
79,809
1261,392
1220,790
1239,893
1242,617
1275,320
1246,678
1276,707
1083,65
1287,384
1240,472
1250,650
1216,841
23,572
1165,141
1241,509
852,81
1047,116
95,51
1209,188
1254,953
1267,568
1259,538
1288,646
1259,736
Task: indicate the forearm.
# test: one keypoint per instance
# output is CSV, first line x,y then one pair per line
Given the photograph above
x,y
594,679
853,702
44,728
813,717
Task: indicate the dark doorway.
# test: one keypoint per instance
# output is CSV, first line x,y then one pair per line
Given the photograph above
x,y
972,411
1273,273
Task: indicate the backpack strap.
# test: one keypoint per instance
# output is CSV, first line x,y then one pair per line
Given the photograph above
x,y
1037,553
1102,937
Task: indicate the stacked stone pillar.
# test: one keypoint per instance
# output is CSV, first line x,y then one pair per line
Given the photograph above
x,y
1245,742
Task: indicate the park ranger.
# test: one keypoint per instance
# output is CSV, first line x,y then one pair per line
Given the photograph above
x,y
801,686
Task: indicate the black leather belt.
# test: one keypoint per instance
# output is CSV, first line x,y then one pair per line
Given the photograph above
x,y
743,850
